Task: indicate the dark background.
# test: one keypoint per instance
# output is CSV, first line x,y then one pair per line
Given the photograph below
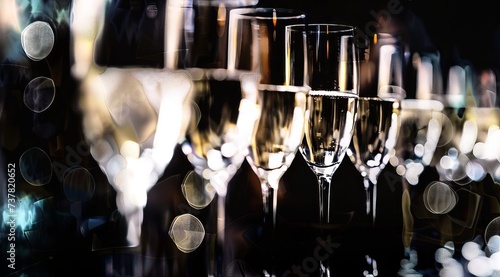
x,y
462,33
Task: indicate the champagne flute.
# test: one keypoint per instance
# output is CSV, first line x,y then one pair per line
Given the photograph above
x,y
217,141
373,142
379,110
276,138
324,57
223,106
373,139
377,123
196,40
256,43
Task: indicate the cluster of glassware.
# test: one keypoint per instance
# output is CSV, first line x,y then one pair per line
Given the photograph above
x,y
260,85
294,86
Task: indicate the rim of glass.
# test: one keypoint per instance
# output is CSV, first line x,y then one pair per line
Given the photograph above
x,y
391,91
422,104
212,3
231,3
376,98
199,73
334,93
321,28
267,13
288,88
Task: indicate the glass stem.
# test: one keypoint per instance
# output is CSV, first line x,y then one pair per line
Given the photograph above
x,y
269,200
371,205
324,183
221,218
371,198
218,259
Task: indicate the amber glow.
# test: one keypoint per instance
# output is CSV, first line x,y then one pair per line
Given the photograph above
x,y
8,15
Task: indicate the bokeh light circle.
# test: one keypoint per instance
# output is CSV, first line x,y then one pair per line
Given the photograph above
x,y
187,232
39,94
198,192
439,198
37,40
480,267
78,185
492,230
35,166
